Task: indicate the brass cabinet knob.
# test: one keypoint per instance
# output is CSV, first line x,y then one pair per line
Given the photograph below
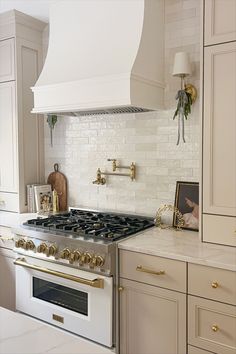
x,y
29,245
215,328
65,254
42,247
120,288
51,250
214,284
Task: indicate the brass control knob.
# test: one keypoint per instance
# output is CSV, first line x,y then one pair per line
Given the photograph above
x,y
87,258
65,254
20,243
82,259
97,261
75,256
100,261
42,248
51,251
29,245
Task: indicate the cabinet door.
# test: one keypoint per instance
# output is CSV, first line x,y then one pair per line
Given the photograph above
x,y
220,21
8,138
7,60
152,320
7,279
219,142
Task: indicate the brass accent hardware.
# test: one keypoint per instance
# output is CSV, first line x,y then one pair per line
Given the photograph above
x,y
87,258
74,256
97,261
120,288
42,247
101,180
65,254
51,251
29,245
189,88
178,215
58,318
140,268
82,259
95,283
214,284
100,261
20,243
215,328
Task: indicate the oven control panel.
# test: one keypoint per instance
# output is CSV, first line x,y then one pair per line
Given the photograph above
x,y
72,256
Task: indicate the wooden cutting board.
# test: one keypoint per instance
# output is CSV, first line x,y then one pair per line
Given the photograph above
x,y
59,183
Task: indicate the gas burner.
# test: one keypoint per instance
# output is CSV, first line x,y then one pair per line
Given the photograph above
x,y
94,225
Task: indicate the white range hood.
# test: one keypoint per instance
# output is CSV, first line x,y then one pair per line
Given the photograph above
x,y
104,56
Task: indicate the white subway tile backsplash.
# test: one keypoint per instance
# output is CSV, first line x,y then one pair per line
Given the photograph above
x,y
82,144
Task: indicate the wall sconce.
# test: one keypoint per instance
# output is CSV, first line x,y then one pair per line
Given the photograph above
x,y
187,94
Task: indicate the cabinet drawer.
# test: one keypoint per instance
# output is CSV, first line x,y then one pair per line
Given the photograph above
x,y
219,229
7,61
212,325
213,283
194,350
145,268
9,202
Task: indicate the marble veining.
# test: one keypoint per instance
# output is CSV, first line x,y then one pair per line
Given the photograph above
x,y
20,334
181,245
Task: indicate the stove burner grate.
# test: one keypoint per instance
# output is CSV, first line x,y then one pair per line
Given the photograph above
x,y
97,225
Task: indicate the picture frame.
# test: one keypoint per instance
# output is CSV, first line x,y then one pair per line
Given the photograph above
x,y
187,202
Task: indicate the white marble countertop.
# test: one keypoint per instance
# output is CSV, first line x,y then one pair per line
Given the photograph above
x,y
9,219
181,245
20,334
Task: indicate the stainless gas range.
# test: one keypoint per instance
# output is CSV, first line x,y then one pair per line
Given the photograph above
x,y
66,269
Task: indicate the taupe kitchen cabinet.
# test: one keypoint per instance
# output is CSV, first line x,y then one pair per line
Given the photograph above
x,y
220,21
212,309
195,350
219,144
21,133
152,312
7,279
7,269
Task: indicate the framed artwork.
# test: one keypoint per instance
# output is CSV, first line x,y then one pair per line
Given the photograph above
x,y
187,202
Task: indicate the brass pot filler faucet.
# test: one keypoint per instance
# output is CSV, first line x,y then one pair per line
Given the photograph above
x,y
102,180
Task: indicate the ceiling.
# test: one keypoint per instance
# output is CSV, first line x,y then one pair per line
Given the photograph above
x,y
35,8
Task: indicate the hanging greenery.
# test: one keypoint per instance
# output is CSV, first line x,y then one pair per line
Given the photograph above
x,y
184,104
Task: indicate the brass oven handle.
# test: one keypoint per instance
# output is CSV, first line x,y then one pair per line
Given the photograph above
x,y
96,283
140,268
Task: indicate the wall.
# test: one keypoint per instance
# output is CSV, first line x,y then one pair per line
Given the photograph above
x,y
81,145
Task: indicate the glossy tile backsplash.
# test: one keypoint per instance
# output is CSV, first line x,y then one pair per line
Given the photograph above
x,y
81,145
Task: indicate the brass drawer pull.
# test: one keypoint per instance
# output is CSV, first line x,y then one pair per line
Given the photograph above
x,y
214,284
215,328
95,283
140,268
120,289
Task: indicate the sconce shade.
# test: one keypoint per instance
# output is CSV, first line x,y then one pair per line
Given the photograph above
x,y
181,65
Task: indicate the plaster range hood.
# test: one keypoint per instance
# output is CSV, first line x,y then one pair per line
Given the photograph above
x,y
103,57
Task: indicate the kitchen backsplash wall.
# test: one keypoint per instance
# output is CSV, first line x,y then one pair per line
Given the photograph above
x,y
81,145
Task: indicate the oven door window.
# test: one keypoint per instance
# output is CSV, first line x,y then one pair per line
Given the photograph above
x,y
71,299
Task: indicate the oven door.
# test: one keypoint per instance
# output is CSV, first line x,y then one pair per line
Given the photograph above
x,y
78,301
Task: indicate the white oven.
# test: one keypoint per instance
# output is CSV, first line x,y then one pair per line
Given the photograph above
x,y
72,299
